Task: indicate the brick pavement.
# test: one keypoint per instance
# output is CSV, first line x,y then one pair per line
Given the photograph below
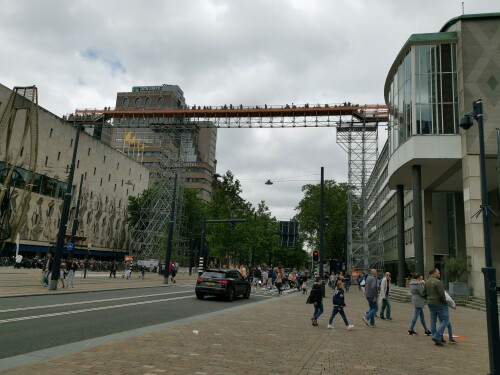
x,y
276,337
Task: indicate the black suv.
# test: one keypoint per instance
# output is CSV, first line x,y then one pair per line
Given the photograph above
x,y
223,283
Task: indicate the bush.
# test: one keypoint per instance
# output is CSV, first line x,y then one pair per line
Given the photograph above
x,y
457,265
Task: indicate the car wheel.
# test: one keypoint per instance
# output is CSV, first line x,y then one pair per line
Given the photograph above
x,y
247,293
200,295
230,296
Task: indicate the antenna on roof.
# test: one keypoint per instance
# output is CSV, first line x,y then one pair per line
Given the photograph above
x,y
463,9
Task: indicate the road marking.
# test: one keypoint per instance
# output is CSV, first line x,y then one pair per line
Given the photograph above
x,y
90,310
86,302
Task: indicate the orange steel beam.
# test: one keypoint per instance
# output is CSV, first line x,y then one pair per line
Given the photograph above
x,y
373,112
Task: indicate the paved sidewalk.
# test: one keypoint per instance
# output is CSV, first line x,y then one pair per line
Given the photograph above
x,y
275,336
26,281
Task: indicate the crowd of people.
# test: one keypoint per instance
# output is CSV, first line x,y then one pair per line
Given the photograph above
x,y
430,293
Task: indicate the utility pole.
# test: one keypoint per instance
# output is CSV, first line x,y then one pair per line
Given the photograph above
x,y
322,227
75,219
170,233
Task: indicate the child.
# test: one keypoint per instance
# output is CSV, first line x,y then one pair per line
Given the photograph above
x,y
338,306
304,285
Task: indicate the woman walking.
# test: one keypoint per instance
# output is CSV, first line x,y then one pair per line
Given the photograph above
x,y
417,289
73,266
316,298
279,280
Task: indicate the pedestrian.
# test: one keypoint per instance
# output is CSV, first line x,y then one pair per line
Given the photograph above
x,y
19,260
128,272
62,274
361,281
279,280
438,307
338,306
257,274
112,270
451,304
173,270
265,278
347,281
72,268
385,286
371,293
417,289
143,272
47,270
316,298
304,284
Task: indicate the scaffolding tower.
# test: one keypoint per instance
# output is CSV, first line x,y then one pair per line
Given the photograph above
x,y
360,140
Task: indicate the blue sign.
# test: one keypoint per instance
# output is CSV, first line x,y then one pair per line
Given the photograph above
x,y
69,246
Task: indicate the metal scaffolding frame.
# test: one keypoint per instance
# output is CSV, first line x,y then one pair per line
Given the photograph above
x,y
360,141
356,131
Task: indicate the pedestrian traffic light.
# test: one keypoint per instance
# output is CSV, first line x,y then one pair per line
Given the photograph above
x,y
315,255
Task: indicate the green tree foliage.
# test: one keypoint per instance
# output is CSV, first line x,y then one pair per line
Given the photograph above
x,y
195,210
135,209
335,209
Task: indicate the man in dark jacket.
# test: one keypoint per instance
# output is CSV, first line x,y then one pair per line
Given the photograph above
x,y
371,293
438,308
316,298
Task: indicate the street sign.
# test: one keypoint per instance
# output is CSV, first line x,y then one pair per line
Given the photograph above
x,y
69,246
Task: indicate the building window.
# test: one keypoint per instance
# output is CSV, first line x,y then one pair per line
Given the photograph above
x,y
148,101
77,164
95,169
85,177
58,155
71,143
125,102
88,153
104,160
109,177
46,160
22,151
50,134
160,101
67,168
117,165
137,102
101,182
115,188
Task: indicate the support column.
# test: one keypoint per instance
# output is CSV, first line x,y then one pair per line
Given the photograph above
x,y
418,231
400,218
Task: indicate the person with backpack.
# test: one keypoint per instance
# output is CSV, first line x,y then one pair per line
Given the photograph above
x,y
173,270
338,306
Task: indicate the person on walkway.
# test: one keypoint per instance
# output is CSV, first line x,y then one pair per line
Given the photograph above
x,y
451,304
173,270
47,270
438,307
112,270
279,280
316,298
338,306
385,286
417,289
347,281
265,278
371,293
62,274
72,268
304,284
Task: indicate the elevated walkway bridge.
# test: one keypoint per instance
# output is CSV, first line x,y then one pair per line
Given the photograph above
x,y
342,116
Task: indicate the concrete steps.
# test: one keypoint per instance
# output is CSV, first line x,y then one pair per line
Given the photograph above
x,y
403,295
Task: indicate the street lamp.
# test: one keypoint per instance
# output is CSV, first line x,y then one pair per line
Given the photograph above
x,y
489,271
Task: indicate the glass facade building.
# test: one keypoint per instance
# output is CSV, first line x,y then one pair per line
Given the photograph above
x,y
423,92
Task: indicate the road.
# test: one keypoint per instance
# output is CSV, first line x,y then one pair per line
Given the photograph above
x,y
33,323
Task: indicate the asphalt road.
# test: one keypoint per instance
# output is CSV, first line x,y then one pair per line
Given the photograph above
x,y
34,323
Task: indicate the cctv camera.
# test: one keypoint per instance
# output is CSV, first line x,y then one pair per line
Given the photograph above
x,y
466,122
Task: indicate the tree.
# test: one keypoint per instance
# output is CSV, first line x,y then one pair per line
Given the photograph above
x,y
136,206
335,208
457,265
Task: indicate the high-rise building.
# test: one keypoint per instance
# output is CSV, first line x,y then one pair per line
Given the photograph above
x,y
149,141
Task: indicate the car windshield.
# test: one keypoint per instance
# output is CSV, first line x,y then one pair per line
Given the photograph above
x,y
213,275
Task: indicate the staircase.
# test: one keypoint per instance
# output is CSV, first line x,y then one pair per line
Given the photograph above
x,y
403,295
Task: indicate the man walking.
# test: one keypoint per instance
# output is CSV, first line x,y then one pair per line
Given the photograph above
x,y
438,307
371,293
385,287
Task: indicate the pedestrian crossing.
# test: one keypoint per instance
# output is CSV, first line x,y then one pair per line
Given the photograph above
x,y
266,292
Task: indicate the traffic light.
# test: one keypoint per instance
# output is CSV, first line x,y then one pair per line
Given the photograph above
x,y
315,255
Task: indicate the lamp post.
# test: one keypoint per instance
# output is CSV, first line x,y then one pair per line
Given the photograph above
x,y
489,271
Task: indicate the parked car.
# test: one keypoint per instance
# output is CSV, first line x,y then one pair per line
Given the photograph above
x,y
227,283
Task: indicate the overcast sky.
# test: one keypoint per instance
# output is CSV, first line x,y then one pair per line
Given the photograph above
x,y
80,53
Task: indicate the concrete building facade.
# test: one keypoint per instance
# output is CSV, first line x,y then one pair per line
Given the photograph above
x,y
429,183
109,179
